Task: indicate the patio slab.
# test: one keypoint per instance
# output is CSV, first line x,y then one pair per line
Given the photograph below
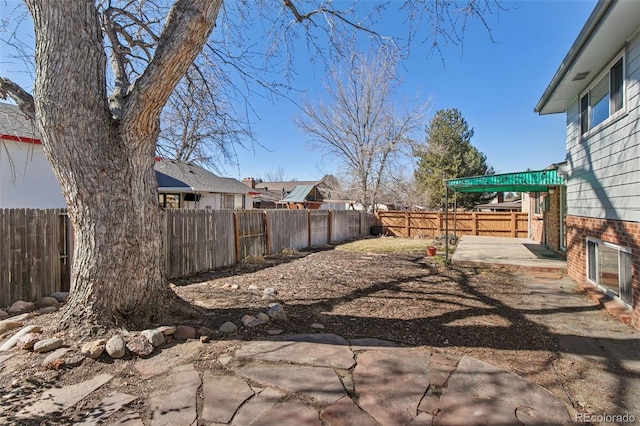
x,y
520,254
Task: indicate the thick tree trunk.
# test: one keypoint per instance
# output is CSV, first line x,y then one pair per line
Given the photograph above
x,y
105,165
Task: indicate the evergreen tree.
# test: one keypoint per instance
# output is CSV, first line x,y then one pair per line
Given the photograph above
x,y
449,154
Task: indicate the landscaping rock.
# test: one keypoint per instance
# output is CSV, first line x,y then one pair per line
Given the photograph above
x,y
228,327
28,340
317,325
47,301
8,325
251,321
116,347
269,298
20,307
274,332
155,337
47,345
205,331
56,359
10,343
184,332
263,317
93,349
73,359
269,291
140,346
253,287
234,287
276,312
205,339
3,314
60,296
166,330
47,310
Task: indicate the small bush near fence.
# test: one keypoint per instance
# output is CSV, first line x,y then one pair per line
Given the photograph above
x,y
35,245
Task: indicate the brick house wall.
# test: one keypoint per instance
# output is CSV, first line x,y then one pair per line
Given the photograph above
x,y
625,234
545,226
552,221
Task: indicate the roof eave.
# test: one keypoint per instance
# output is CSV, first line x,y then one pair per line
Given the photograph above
x,y
593,22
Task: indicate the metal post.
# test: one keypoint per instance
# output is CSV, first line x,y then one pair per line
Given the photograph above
x,y
446,221
455,215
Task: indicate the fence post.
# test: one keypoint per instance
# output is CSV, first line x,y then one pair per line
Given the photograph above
x,y
268,234
309,228
474,223
514,225
236,232
329,230
407,228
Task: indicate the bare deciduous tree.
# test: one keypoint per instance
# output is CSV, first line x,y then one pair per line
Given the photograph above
x,y
360,125
104,71
197,125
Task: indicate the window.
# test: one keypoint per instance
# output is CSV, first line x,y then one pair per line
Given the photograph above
x,y
169,201
537,203
604,98
609,266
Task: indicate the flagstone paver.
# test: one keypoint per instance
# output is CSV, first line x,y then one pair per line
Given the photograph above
x,y
321,383
302,380
477,378
223,395
290,413
391,384
59,399
319,350
175,405
106,408
169,357
345,412
256,407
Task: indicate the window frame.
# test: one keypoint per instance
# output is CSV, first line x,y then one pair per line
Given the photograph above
x,y
596,269
584,100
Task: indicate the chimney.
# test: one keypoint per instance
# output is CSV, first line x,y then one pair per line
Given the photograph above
x,y
250,182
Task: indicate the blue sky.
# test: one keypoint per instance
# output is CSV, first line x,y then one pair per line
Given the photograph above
x,y
495,84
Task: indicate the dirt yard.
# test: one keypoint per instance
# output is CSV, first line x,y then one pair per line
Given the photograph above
x,y
506,319
536,325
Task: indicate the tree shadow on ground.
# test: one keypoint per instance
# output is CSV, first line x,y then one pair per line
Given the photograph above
x,y
449,309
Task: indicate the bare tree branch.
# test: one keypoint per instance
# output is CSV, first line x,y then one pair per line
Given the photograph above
x,y
24,100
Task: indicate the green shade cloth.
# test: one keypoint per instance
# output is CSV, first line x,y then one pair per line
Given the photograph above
x,y
299,194
533,181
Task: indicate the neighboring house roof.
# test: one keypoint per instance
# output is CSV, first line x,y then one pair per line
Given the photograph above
x,y
287,186
14,125
299,194
608,28
182,176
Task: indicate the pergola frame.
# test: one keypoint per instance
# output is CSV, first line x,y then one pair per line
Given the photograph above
x,y
530,181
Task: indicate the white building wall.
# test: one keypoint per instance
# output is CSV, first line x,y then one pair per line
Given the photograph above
x,y
603,178
26,177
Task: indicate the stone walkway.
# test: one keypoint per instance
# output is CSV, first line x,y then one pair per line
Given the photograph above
x,y
313,380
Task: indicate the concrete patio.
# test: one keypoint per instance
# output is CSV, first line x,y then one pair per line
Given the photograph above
x,y
508,253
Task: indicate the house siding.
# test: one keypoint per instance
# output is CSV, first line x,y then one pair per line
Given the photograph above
x,y
26,178
603,181
603,178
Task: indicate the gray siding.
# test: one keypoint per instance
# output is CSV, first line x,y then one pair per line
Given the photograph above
x,y
604,168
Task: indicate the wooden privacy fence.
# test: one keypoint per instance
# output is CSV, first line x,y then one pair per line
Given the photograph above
x,y
35,245
433,224
34,253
